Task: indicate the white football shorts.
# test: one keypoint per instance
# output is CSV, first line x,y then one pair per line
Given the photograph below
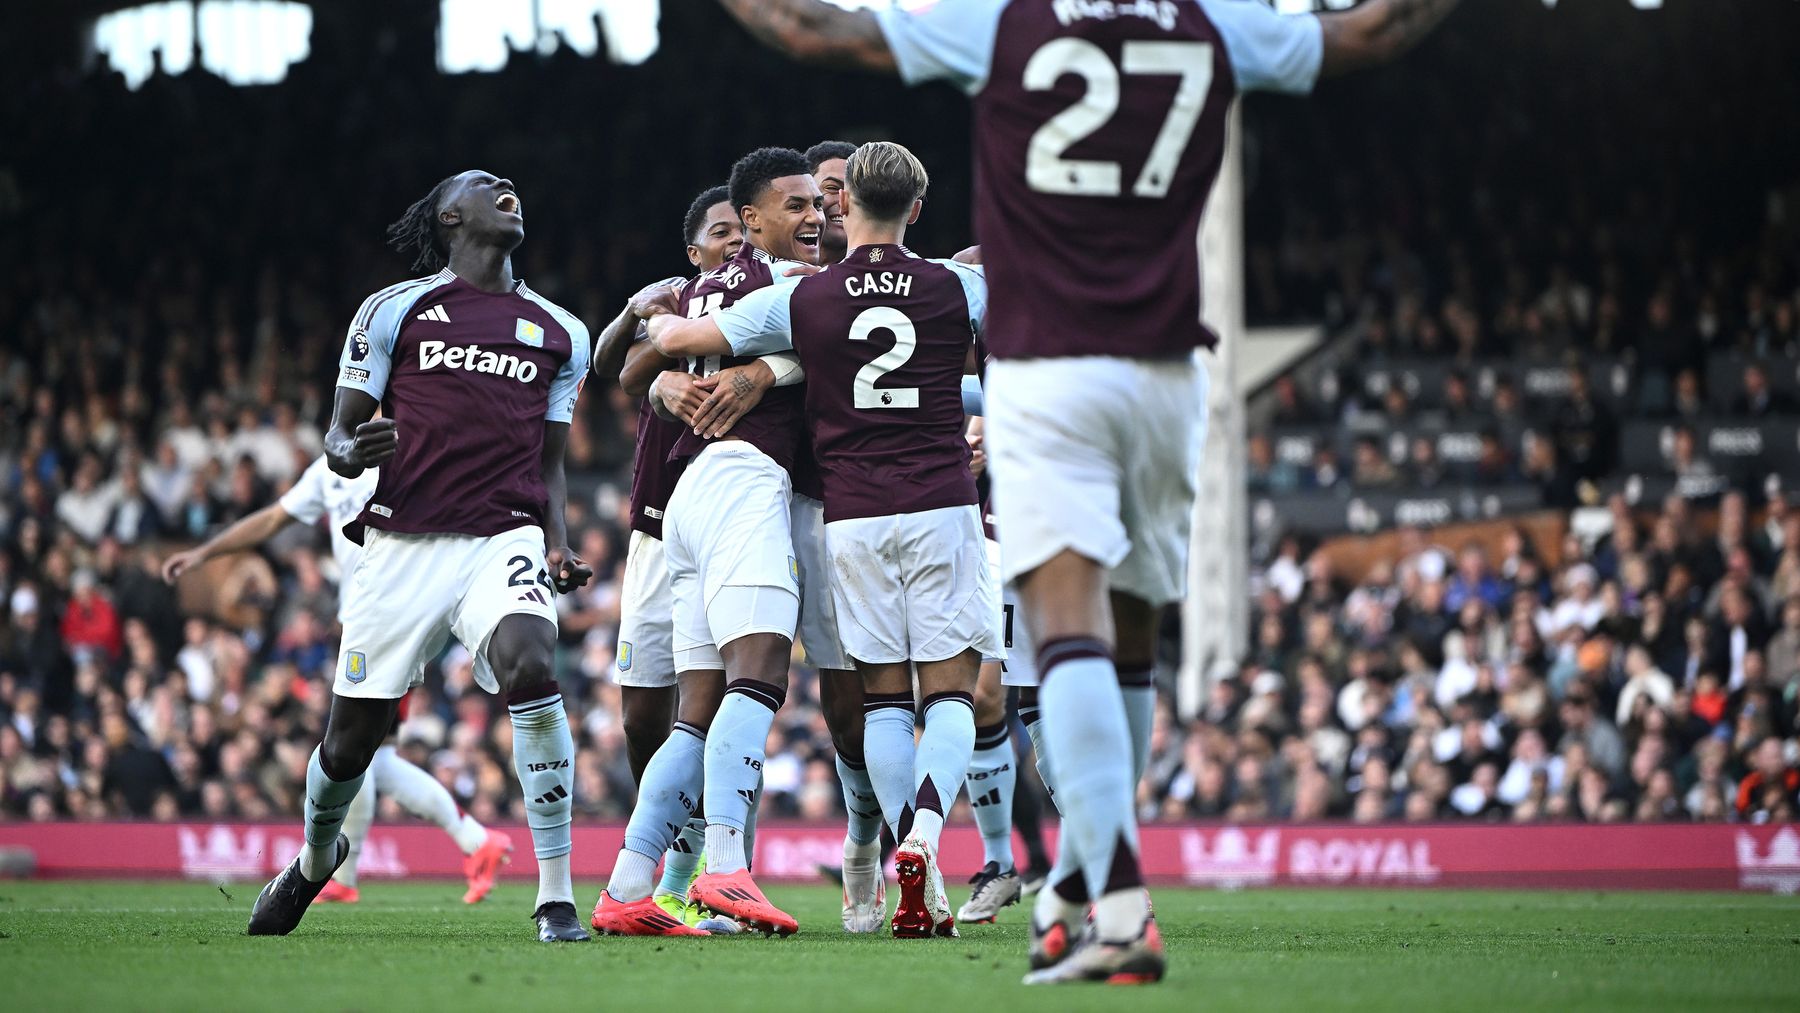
x,y
1018,662
410,593
818,609
914,587
646,655
1098,455
730,552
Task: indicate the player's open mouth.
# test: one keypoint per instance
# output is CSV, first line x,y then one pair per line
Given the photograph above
x,y
808,239
507,204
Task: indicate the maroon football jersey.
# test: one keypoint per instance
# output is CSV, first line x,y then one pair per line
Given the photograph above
x,y
774,425
883,336
1091,245
1099,129
470,378
653,472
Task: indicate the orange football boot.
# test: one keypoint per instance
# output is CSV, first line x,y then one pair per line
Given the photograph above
x,y
335,892
735,895
638,918
482,866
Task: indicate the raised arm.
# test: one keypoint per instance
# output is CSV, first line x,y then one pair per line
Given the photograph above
x,y
816,32
1377,31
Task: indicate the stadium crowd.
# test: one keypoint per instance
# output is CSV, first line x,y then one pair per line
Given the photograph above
x,y
164,372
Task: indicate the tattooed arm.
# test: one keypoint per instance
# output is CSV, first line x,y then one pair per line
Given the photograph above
x,y
814,31
1377,31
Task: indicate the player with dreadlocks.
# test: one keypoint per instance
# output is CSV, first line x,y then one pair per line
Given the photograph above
x,y
476,377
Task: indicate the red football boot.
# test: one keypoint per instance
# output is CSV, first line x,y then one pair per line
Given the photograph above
x,y
335,892
735,895
638,918
482,866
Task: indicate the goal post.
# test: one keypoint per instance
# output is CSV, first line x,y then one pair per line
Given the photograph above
x,y
1215,614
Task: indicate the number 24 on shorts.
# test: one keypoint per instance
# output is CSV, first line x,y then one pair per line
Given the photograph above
x,y
519,576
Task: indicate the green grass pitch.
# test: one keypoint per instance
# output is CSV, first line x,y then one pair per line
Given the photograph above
x,y
180,946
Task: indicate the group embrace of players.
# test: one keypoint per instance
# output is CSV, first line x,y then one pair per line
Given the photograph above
x,y
820,493
806,472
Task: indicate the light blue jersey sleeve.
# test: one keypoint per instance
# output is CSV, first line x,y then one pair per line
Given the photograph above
x,y
948,40
974,283
368,353
974,403
1268,51
565,390
760,322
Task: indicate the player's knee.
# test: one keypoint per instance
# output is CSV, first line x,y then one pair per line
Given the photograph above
x,y
523,667
645,729
840,698
343,755
760,656
990,702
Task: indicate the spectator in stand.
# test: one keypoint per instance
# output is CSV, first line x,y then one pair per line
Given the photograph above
x,y
1687,405
1757,399
1292,408
1645,684
1423,469
1783,651
1586,434
89,623
1771,783
1372,469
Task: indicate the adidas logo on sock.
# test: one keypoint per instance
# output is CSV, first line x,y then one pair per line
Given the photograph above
x,y
556,794
748,795
991,798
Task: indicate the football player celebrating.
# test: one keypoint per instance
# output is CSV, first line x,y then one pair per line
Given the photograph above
x,y
1096,403
840,687
733,577
476,376
645,665
909,570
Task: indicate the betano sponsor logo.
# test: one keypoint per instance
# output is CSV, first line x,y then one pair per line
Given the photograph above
x,y
471,358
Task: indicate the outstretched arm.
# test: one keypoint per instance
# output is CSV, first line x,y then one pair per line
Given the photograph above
x,y
247,533
676,336
814,31
1377,31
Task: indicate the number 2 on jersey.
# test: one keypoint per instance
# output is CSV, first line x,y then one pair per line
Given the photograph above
x,y
863,389
1046,171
